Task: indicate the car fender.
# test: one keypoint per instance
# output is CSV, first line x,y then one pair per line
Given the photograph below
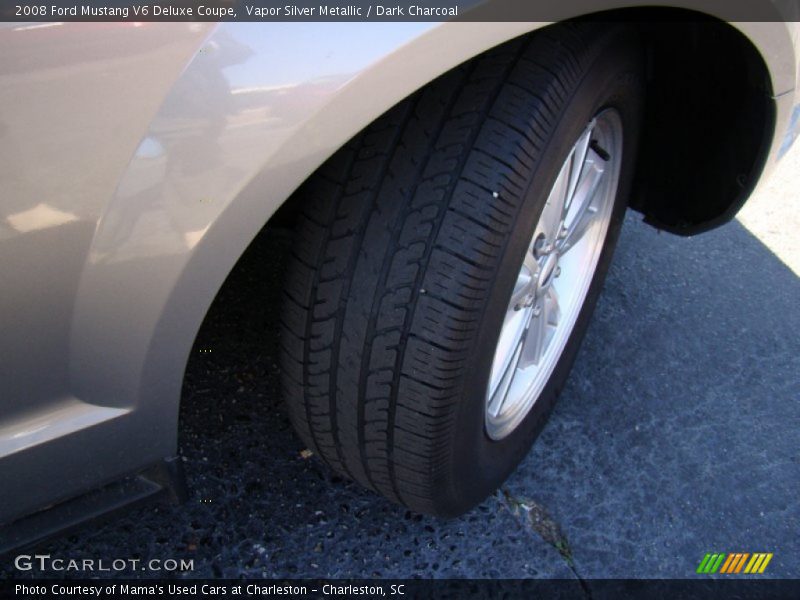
x,y
259,107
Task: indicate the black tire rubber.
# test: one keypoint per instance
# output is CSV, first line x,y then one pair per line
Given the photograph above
x,y
405,258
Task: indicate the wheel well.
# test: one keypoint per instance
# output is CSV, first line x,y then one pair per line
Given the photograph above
x,y
709,120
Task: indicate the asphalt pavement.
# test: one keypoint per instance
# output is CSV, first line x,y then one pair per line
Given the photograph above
x,y
677,434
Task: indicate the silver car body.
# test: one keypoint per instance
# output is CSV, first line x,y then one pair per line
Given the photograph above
x,y
137,162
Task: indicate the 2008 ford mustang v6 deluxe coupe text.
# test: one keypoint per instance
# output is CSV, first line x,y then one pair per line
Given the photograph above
x,y
455,192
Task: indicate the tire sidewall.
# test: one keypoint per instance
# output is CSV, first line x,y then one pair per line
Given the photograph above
x,y
480,464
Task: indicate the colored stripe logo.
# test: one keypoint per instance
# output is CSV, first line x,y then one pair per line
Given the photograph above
x,y
735,562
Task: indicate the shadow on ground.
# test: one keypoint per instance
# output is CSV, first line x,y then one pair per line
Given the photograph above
x,y
677,435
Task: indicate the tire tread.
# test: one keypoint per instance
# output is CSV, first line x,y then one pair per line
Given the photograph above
x,y
396,248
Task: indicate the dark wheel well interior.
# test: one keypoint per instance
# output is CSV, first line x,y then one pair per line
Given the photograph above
x,y
709,120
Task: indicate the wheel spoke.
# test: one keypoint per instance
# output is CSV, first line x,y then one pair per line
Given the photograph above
x,y
529,263
581,209
541,329
523,287
513,331
578,159
501,390
534,345
553,314
552,213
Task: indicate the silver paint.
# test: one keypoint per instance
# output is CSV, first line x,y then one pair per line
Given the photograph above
x,y
136,165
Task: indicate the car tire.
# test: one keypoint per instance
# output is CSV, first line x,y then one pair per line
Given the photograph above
x,y
409,247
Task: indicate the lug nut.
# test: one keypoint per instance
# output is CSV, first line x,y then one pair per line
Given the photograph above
x,y
540,246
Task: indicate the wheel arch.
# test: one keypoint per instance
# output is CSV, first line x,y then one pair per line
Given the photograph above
x,y
202,186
